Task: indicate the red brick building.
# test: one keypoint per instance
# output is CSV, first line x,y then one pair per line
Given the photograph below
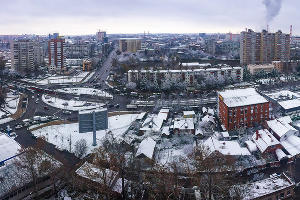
x,y
242,108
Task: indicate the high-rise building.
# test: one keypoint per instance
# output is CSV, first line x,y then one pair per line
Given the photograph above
x,y
100,36
264,47
38,54
130,44
56,45
22,58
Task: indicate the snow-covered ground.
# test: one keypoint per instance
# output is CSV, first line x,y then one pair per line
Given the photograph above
x,y
10,107
65,136
73,105
89,91
59,79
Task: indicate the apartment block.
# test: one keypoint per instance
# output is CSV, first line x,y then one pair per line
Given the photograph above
x,y
22,58
56,46
263,47
242,108
131,45
189,76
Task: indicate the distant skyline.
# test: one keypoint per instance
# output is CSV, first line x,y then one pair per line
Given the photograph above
x,y
83,17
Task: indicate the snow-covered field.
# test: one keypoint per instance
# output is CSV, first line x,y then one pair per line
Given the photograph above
x,y
59,79
73,105
9,108
65,136
89,91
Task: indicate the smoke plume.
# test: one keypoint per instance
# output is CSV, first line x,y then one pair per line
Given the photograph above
x,y
273,9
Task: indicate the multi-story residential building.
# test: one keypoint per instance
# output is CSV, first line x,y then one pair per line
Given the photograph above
x,y
264,47
189,76
242,108
131,45
100,36
56,55
38,54
77,50
22,58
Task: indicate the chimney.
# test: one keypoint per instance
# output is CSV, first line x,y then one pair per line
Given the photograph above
x,y
257,135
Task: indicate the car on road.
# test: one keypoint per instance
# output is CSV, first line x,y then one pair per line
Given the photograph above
x,y
110,105
13,135
18,126
46,108
66,112
117,106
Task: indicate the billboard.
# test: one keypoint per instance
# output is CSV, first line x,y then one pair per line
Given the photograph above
x,y
88,119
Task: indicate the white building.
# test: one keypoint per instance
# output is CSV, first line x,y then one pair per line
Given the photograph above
x,y
189,76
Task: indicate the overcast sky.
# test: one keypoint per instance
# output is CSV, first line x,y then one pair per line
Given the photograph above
x,y
74,17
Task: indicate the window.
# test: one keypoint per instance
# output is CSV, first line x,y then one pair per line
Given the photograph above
x,y
288,193
281,195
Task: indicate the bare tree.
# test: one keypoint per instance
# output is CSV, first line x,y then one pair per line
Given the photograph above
x,y
80,147
210,171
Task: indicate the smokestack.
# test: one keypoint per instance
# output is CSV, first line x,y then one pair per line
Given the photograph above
x,y
267,27
257,135
291,30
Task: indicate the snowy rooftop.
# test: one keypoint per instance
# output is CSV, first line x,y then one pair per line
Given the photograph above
x,y
8,147
281,126
146,148
283,95
183,124
90,171
92,110
264,139
225,147
242,97
292,145
187,113
288,104
265,186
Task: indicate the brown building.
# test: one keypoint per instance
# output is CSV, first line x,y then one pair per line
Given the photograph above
x,y
56,56
264,47
87,65
242,108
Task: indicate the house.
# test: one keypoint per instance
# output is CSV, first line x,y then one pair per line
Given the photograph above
x,y
154,123
281,128
92,176
274,187
146,149
183,125
242,108
265,141
227,148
